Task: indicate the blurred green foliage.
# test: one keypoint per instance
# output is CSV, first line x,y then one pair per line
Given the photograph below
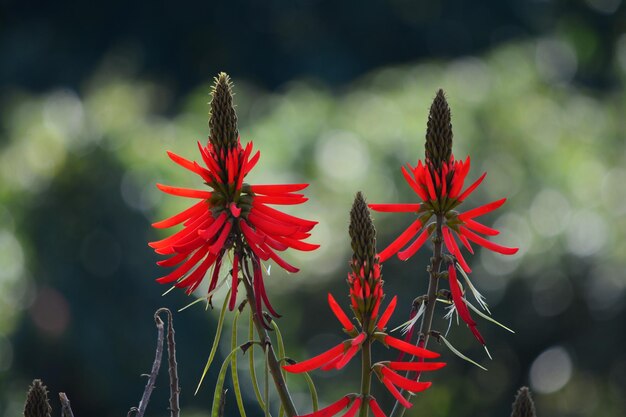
x,y
77,194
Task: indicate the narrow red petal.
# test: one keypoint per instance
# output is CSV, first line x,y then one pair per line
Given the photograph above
x,y
280,261
184,192
387,314
487,244
277,188
331,410
283,217
453,248
339,313
297,244
219,243
430,186
378,412
184,268
479,211
395,208
353,408
480,228
394,391
416,366
457,297
316,361
209,233
252,162
264,296
409,348
191,166
283,200
405,383
182,216
270,227
472,187
193,280
414,185
235,283
352,351
400,240
415,246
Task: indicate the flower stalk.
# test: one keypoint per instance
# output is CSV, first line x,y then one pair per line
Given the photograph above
x,y
366,375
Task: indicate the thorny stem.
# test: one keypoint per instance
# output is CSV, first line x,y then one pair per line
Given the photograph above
x,y
366,375
156,365
279,381
431,302
173,365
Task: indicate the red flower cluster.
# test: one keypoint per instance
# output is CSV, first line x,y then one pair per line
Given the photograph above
x,y
440,191
366,294
230,216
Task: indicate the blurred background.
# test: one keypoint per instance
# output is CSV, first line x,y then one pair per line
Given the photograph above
x,y
335,94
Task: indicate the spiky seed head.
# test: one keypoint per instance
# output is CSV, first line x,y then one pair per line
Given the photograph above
x,y
37,404
223,119
362,231
439,131
523,406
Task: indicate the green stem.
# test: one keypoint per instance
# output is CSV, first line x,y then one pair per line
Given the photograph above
x,y
366,376
431,302
274,366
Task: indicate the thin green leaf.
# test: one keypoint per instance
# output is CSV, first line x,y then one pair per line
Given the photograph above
x,y
281,354
267,382
486,317
233,367
217,396
459,354
255,382
218,332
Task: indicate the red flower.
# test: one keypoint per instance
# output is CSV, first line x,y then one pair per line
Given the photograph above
x,y
440,190
460,305
232,215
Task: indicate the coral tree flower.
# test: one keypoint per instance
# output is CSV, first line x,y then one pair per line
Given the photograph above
x,y
439,183
366,294
231,215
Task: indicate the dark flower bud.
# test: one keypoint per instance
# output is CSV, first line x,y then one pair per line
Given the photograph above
x,y
37,404
223,119
362,232
523,406
439,132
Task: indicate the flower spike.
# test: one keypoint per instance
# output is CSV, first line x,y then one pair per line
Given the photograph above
x,y
231,216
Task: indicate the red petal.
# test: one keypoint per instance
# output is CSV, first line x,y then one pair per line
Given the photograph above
x,y
191,166
487,244
280,261
252,162
219,243
405,383
209,233
416,366
270,226
182,216
396,393
331,410
184,268
472,187
378,412
457,297
283,217
339,313
284,199
414,247
296,244
430,186
480,228
352,351
184,192
353,408
479,211
316,361
235,283
277,188
184,233
176,259
409,348
264,297
400,240
453,248
193,280
395,208
414,185
387,314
